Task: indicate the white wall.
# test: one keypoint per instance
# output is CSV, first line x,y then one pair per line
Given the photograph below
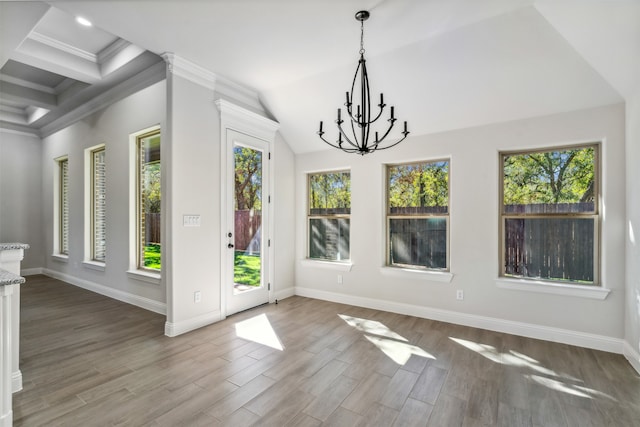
x,y
21,195
632,318
284,217
474,231
193,172
111,126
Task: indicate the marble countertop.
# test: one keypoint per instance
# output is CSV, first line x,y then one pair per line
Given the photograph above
x,y
10,246
7,278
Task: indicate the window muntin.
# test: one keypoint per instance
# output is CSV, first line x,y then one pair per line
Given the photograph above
x,y
418,215
63,206
148,201
329,215
549,214
98,205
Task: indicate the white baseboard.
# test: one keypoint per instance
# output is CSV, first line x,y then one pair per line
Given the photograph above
x,y
173,329
16,381
285,293
142,302
31,271
632,356
565,336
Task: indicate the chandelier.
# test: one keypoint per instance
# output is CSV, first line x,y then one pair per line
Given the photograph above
x,y
358,138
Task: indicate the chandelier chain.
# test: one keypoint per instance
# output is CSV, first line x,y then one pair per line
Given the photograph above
x,y
361,37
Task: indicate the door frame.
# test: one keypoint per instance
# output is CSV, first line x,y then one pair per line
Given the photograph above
x,y
238,119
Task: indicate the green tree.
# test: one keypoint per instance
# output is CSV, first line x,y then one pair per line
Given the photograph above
x,y
419,185
565,176
151,187
248,178
330,190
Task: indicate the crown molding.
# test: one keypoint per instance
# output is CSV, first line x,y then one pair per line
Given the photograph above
x,y
190,71
57,44
233,116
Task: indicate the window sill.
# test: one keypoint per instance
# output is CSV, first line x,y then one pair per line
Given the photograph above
x,y
330,265
60,258
410,273
144,276
539,286
94,265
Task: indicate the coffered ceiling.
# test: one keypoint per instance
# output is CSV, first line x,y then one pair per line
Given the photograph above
x,y
444,64
54,66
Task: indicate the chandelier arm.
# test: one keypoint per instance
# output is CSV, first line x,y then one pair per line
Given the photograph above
x,y
394,144
335,145
393,122
347,138
366,105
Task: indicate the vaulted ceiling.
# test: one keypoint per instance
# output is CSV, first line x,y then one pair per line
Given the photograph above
x,y
444,64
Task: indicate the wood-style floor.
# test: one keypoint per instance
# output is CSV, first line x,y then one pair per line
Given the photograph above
x,y
88,360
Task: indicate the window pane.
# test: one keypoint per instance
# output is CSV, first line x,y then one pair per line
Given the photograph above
x,y
330,193
329,238
99,206
419,188
64,206
560,181
150,241
418,242
550,248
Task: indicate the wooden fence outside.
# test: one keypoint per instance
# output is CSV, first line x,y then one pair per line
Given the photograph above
x,y
152,228
553,248
246,225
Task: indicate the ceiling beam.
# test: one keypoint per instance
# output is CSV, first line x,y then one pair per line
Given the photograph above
x,y
22,94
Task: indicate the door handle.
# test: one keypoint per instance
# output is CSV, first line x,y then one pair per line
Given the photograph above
x,y
230,245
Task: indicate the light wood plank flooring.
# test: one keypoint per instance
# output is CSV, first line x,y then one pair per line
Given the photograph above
x,y
88,360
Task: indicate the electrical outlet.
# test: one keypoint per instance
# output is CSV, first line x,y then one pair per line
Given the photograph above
x,y
340,279
197,296
460,294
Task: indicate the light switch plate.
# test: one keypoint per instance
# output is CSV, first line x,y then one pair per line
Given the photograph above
x,y
191,220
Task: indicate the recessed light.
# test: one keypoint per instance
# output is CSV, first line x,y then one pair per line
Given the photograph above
x,y
83,21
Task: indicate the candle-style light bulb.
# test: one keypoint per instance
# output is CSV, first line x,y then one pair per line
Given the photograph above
x,y
392,112
320,131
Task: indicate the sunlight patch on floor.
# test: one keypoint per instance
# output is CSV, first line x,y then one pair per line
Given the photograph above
x,y
394,345
371,327
399,352
561,382
258,329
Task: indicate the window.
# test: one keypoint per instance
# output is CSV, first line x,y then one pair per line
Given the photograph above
x,y
63,206
549,214
148,200
418,215
329,215
98,205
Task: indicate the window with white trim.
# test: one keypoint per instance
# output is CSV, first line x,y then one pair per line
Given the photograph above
x,y
63,206
418,215
329,215
148,195
98,215
549,214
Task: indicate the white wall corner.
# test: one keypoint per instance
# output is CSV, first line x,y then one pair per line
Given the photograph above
x,y
181,67
632,356
173,329
31,271
284,293
564,336
129,298
231,90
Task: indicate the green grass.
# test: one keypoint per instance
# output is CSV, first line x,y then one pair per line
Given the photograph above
x,y
152,256
246,269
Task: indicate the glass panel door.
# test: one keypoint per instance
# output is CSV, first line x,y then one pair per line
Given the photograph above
x,y
247,223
